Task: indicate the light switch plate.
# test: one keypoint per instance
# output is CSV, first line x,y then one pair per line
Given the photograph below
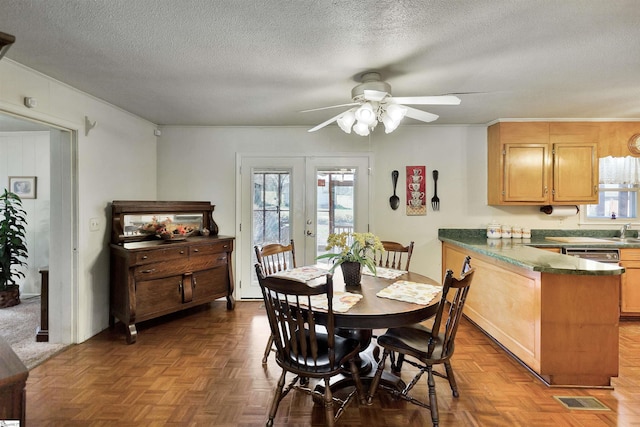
x,y
94,224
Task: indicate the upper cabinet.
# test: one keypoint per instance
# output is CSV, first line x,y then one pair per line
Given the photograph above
x,y
540,163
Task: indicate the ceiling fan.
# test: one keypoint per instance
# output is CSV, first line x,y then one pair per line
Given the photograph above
x,y
373,104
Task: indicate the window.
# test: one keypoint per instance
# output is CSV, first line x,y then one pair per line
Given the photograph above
x,y
618,190
615,201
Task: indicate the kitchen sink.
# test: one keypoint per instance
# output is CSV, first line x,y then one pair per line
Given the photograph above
x,y
623,239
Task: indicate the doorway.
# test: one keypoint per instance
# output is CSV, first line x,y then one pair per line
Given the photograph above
x,y
304,198
61,205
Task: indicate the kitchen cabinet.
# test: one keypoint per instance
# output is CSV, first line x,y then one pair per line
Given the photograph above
x,y
540,163
630,285
152,277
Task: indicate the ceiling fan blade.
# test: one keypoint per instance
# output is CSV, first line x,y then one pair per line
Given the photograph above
x,y
374,95
351,104
423,116
328,122
426,100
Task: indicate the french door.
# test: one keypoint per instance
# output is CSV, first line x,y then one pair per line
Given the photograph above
x,y
299,198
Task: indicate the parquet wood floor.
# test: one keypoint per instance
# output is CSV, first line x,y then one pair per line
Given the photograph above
x,y
203,368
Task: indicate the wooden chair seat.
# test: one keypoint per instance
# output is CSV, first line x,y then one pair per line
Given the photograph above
x,y
424,347
305,348
274,257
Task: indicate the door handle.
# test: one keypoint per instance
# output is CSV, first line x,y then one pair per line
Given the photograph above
x,y
311,233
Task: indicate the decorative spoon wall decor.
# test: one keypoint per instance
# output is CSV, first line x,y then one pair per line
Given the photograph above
x,y
394,200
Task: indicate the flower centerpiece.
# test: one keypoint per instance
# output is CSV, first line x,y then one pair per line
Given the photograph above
x,y
355,251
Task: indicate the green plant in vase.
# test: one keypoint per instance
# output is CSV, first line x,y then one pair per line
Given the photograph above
x,y
355,251
13,247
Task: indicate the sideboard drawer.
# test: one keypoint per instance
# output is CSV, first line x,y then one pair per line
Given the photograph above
x,y
161,269
207,249
156,255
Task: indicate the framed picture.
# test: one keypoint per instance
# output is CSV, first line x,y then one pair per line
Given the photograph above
x,y
23,186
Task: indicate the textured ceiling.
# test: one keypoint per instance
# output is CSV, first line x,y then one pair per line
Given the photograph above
x,y
241,62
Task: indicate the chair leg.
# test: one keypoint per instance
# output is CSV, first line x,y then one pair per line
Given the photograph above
x,y
433,400
355,374
267,350
398,365
328,404
452,379
276,398
376,379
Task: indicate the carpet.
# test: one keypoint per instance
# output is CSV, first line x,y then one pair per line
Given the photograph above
x,y
18,326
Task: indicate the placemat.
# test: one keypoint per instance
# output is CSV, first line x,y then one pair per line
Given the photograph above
x,y
384,273
301,274
342,301
417,293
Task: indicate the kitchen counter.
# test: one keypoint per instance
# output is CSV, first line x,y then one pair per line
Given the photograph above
x,y
557,314
524,253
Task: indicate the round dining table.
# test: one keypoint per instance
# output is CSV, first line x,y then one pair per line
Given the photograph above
x,y
374,312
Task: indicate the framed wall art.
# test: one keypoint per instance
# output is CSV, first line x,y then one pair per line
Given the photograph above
x,y
24,186
416,190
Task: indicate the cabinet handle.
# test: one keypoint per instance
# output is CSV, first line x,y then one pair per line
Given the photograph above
x,y
180,287
194,283
196,250
181,252
546,190
222,258
144,257
595,189
226,246
148,271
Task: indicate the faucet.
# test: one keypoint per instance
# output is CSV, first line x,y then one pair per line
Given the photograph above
x,y
624,229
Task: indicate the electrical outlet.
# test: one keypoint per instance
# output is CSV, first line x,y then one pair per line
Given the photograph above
x,y
94,224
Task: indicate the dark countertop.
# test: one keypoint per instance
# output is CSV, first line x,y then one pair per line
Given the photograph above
x,y
524,252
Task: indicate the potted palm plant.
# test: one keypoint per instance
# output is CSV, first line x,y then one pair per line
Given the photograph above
x,y
13,247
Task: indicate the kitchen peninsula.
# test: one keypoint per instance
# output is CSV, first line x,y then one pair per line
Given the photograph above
x,y
555,313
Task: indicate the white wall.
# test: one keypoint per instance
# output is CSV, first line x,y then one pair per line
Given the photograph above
x,y
199,163
27,154
117,160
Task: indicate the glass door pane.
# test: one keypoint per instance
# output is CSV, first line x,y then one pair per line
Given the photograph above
x,y
271,210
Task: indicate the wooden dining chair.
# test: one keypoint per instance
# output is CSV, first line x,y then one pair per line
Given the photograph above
x,y
426,347
393,255
274,257
305,348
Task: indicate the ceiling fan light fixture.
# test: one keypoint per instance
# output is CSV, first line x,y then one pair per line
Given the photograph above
x,y
390,124
396,111
347,120
366,114
361,128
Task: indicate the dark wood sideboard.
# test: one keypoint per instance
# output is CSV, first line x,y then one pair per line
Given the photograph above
x,y
151,277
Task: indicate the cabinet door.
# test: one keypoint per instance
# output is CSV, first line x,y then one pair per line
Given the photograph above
x,y
210,284
525,173
630,288
575,172
157,297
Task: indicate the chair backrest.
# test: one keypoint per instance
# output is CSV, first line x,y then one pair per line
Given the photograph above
x,y
276,257
444,339
301,346
393,255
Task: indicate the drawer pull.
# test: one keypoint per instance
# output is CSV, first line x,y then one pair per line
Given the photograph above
x,y
194,283
148,271
222,258
144,257
180,288
181,252
196,250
